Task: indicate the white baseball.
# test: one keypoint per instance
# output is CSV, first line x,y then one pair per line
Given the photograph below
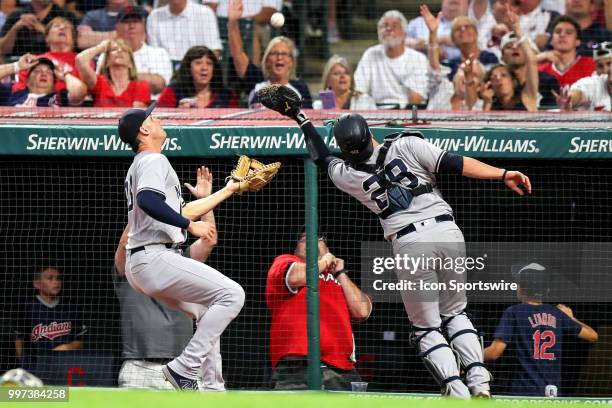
x,y
277,20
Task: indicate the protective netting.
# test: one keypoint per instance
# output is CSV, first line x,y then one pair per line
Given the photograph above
x,y
337,54
70,213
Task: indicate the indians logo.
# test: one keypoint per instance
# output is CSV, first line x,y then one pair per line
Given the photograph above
x,y
51,331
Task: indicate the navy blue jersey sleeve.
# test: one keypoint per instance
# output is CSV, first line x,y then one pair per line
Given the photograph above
x,y
505,327
569,326
154,206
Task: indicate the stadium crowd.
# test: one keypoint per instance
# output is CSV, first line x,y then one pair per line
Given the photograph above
x,y
473,55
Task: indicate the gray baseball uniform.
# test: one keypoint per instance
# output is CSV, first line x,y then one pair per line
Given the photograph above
x,y
161,272
411,162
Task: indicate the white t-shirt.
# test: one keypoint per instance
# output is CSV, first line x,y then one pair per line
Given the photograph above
x,y
418,29
535,23
251,7
196,25
388,80
484,25
595,89
153,60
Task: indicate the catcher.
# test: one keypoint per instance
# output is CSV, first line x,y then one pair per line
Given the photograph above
x,y
156,225
397,182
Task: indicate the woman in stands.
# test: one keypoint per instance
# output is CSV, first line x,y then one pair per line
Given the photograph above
x,y
338,78
117,83
198,83
278,63
502,90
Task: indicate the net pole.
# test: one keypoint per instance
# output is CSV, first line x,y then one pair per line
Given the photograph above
x,y
312,274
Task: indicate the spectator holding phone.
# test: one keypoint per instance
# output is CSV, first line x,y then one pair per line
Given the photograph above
x,y
339,88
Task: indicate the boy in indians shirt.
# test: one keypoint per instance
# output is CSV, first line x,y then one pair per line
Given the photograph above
x,y
47,324
340,302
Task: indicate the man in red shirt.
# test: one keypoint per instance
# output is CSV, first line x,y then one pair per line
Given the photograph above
x,y
563,62
340,302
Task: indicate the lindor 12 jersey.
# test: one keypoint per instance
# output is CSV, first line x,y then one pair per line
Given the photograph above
x,y
410,162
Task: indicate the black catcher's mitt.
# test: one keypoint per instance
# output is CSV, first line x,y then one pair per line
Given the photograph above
x,y
281,99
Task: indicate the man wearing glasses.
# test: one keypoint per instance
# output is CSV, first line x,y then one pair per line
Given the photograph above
x,y
341,302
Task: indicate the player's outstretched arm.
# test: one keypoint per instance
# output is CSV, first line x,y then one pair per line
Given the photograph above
x,y
473,168
195,209
286,102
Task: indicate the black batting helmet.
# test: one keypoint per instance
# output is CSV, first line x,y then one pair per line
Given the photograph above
x,y
353,137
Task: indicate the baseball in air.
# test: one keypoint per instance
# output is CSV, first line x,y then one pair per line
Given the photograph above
x,y
277,20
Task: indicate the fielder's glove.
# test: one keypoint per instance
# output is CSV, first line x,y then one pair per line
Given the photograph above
x,y
253,175
283,100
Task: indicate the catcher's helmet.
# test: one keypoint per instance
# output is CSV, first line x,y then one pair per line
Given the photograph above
x,y
354,138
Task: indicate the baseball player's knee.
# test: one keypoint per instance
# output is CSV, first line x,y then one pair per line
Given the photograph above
x,y
233,296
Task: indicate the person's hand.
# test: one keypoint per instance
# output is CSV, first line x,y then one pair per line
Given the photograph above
x,y
431,22
61,70
234,10
510,18
515,179
551,56
202,229
104,46
26,61
486,93
326,262
232,185
565,310
28,21
203,187
339,264
563,98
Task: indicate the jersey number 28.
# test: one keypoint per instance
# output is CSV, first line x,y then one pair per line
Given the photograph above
x,y
396,171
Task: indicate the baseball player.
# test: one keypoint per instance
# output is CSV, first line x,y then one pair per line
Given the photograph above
x,y
536,331
154,264
397,181
153,333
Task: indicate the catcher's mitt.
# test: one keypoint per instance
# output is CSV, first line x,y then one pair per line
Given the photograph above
x,y
280,99
253,175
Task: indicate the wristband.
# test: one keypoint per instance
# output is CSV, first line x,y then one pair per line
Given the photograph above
x,y
340,272
16,68
504,175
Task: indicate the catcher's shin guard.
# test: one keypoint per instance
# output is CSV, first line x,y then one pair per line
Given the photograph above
x,y
467,342
439,361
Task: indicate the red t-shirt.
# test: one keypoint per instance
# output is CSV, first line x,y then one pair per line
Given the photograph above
x,y
582,67
65,57
104,97
288,335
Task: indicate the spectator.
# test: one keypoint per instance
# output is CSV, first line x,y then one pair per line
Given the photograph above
x,y
395,76
198,83
515,58
535,21
592,93
502,90
182,24
536,331
341,301
592,32
117,85
418,33
47,324
279,64
338,78
153,333
465,37
489,30
152,63
564,63
6,8
255,12
59,34
602,55
40,89
23,31
99,24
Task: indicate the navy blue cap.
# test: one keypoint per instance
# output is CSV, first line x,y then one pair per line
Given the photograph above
x,y
130,122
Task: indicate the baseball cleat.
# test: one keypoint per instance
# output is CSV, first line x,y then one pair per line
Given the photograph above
x,y
178,381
